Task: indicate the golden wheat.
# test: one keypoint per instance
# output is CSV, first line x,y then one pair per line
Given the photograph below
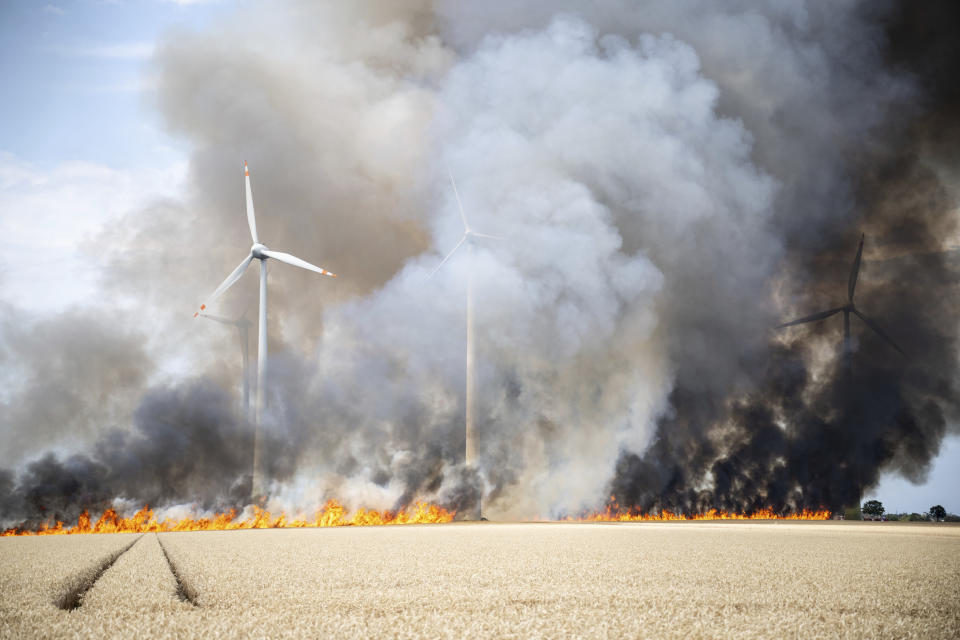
x,y
674,580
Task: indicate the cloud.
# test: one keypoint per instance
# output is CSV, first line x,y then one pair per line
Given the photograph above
x,y
53,9
141,83
184,3
111,51
52,217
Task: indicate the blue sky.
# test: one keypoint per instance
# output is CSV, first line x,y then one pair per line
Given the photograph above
x,y
900,495
77,79
81,144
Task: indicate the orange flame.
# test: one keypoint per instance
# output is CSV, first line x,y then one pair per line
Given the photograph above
x,y
331,515
614,513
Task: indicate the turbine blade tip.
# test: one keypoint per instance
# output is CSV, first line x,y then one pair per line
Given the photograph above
x,y
196,314
203,307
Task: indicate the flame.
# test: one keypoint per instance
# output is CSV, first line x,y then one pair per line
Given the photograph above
x,y
331,515
614,513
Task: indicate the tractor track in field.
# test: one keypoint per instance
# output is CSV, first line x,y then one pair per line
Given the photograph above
x,y
184,591
79,585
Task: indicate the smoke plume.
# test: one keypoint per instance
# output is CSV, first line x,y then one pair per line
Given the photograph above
x,y
667,183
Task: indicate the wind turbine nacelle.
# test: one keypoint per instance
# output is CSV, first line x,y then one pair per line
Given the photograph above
x,y
257,251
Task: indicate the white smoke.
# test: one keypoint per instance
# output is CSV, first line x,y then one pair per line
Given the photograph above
x,y
602,164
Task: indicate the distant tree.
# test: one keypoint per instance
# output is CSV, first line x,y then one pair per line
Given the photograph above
x,y
852,513
938,513
873,508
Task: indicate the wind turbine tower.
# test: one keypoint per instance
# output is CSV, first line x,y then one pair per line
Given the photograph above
x,y
469,236
259,252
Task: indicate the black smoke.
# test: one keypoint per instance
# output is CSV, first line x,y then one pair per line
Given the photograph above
x,y
804,435
187,446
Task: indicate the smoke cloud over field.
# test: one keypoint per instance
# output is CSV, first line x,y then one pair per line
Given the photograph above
x,y
667,183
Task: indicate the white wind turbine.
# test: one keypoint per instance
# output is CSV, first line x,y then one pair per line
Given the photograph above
x,y
261,253
468,237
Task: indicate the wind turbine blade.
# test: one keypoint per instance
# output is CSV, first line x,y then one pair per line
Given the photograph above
x,y
251,218
449,255
855,271
233,277
463,216
811,318
880,332
297,262
219,319
486,235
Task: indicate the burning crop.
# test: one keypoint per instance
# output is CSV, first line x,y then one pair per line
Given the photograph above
x,y
614,514
333,514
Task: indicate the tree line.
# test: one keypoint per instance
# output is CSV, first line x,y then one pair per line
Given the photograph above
x,y
874,510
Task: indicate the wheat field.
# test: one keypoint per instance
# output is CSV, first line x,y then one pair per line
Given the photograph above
x,y
639,580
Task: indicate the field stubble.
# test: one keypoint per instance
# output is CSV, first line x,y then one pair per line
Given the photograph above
x,y
497,580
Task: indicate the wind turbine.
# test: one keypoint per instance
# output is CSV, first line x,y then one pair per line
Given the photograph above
x,y
242,325
262,253
468,237
847,309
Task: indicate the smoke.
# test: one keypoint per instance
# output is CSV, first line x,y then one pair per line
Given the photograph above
x,y
186,446
802,435
666,182
65,377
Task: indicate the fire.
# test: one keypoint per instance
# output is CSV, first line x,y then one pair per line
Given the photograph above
x,y
331,515
614,513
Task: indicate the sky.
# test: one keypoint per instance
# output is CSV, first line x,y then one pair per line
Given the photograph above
x,y
83,145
